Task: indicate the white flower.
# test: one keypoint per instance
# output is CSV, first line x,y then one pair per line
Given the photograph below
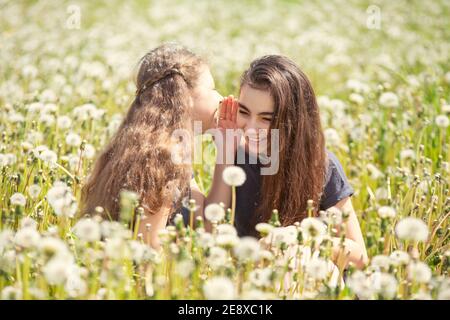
x,y
75,286
138,250
381,193
381,262
48,96
313,228
446,108
386,212
87,230
447,77
283,235
261,277
332,137
184,268
234,176
3,160
6,239
214,212
18,199
8,159
64,122
389,99
74,161
206,240
331,216
57,270
356,98
48,156
444,293
219,288
419,272
89,151
442,121
387,285
115,248
8,260
264,228
227,240
34,190
361,285
28,222
52,247
61,199
247,249
73,140
407,154
375,173
226,229
217,257
399,257
317,268
27,237
411,229
47,119
11,293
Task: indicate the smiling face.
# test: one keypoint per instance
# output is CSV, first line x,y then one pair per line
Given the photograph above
x,y
256,109
205,99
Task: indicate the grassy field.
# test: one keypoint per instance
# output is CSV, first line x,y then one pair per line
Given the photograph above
x,y
382,76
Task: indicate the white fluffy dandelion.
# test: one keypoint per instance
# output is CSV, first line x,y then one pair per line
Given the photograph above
x,y
389,99
386,212
73,140
49,157
214,212
64,122
283,236
234,176
317,268
18,199
217,257
27,237
87,230
442,121
247,249
313,229
62,200
419,272
411,228
33,191
219,288
399,257
56,271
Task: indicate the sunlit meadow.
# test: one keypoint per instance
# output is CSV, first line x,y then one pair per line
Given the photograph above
x,y
381,72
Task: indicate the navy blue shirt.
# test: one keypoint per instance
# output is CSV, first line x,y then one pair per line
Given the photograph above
x,y
336,188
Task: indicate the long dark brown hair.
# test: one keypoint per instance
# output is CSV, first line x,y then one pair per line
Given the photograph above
x,y
138,157
302,154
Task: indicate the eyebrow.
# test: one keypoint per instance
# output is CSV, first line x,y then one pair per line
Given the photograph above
x,y
261,113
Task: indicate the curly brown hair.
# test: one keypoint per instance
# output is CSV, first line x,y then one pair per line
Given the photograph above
x,y
138,157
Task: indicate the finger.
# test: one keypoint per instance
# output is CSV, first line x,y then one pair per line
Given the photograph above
x,y
222,109
234,111
229,106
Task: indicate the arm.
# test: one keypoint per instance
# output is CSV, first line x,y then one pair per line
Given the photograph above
x,y
354,248
157,222
220,191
